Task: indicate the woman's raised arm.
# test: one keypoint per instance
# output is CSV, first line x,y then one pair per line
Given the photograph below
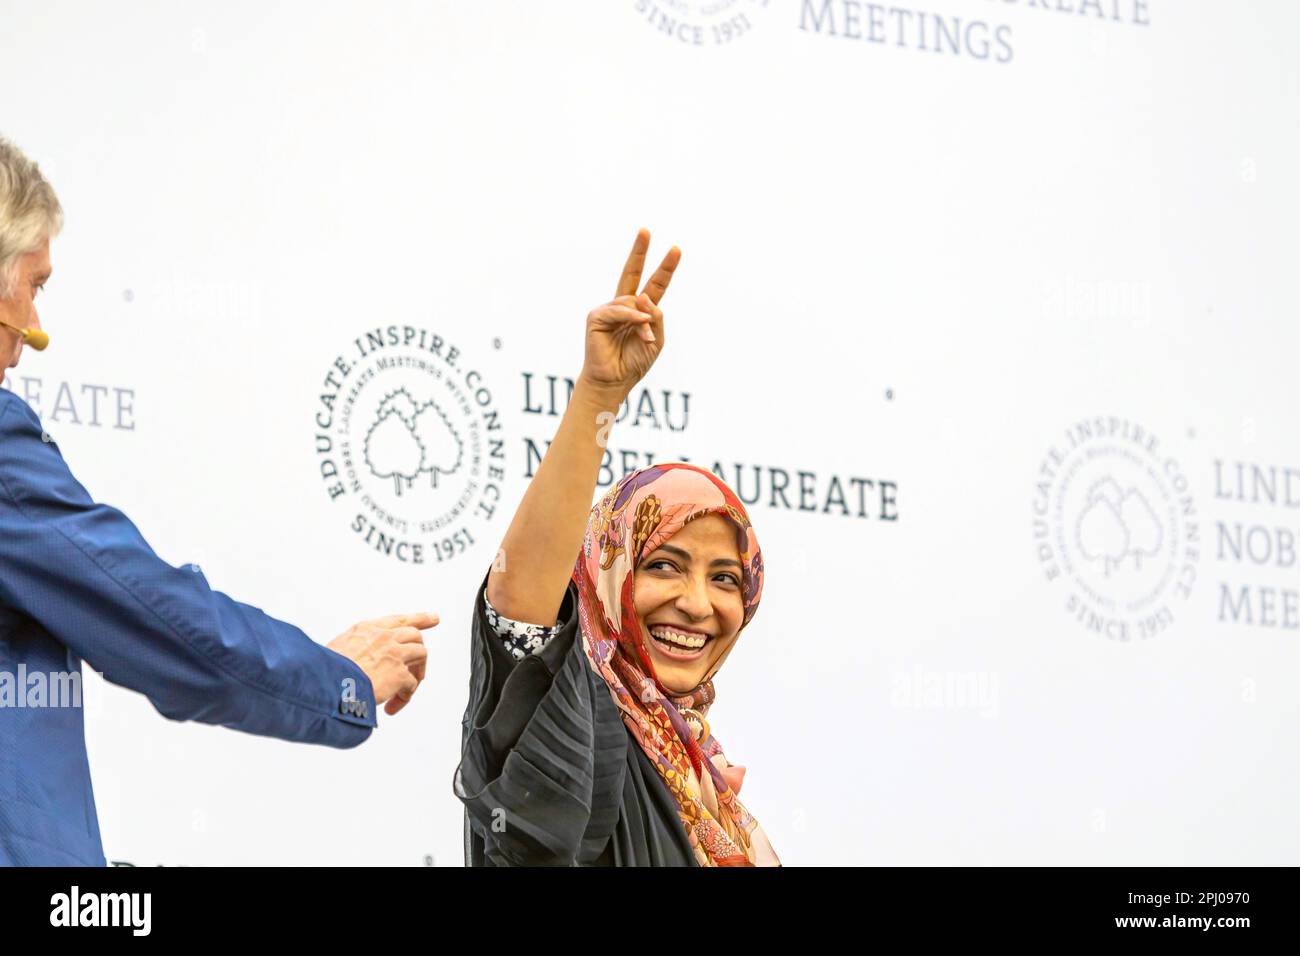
x,y
624,337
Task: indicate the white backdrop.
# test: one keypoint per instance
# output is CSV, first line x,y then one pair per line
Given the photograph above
x,y
905,263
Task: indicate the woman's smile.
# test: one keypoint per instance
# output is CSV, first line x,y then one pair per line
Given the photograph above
x,y
679,643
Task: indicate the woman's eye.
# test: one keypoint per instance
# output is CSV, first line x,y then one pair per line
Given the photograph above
x,y
730,579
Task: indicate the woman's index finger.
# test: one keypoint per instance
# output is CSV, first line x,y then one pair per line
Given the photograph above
x,y
635,263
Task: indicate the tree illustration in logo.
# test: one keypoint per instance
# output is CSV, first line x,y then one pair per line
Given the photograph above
x,y
409,439
442,446
400,402
392,451
1116,524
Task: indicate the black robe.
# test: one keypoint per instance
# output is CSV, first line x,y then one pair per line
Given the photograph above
x,y
549,774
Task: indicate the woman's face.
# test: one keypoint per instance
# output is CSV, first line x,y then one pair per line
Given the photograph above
x,y
687,595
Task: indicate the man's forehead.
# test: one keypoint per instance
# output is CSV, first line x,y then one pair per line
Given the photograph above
x,y
38,262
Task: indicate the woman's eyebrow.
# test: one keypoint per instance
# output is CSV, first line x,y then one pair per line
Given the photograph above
x,y
686,556
678,552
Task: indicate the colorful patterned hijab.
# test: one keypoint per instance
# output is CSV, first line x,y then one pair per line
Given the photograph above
x,y
636,517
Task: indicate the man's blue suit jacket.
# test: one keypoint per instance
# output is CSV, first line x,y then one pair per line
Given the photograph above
x,y
78,582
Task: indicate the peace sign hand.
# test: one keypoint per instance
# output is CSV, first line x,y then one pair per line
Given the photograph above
x,y
626,334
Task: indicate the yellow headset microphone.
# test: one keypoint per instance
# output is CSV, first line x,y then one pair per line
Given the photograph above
x,y
36,338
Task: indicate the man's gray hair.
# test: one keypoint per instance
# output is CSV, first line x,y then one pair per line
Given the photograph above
x,y
29,212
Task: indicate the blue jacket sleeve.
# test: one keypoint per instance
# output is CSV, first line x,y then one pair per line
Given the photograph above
x,y
84,573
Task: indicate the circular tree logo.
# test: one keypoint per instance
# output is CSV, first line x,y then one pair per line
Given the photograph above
x,y
700,22
407,441
1116,527
412,441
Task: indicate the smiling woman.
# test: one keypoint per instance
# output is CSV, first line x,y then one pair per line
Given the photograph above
x,y
676,599
585,741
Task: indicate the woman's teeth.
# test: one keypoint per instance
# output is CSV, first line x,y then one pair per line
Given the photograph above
x,y
680,640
